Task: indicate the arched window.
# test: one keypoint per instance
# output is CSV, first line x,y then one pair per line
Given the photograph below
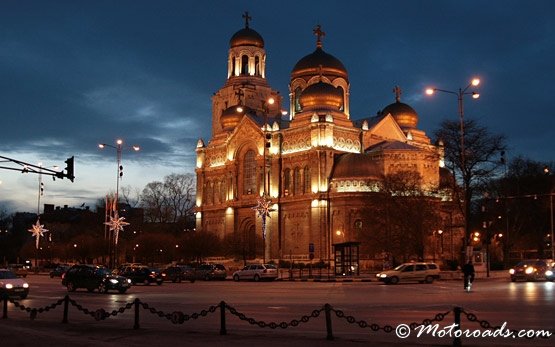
x,y
297,181
244,65
257,66
306,180
249,171
232,66
297,99
342,107
286,182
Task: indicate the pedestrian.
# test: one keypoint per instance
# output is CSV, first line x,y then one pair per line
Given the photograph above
x,y
468,271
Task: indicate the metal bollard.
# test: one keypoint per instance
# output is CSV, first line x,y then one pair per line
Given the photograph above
x,y
457,340
327,308
136,325
66,308
223,330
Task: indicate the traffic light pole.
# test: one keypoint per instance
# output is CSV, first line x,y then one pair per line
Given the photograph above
x,y
37,169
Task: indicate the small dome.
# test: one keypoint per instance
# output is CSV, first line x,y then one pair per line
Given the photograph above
x,y
321,95
404,115
355,165
310,65
231,116
246,37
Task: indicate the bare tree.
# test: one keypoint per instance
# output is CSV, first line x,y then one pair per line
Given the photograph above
x,y
479,162
169,201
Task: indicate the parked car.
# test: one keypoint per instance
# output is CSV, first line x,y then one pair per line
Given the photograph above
x,y
142,274
410,272
92,277
11,285
532,270
256,272
20,270
178,274
58,271
209,272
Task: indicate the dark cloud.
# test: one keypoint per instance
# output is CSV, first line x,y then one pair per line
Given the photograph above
x,y
74,74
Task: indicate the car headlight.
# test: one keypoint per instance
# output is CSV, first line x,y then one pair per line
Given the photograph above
x,y
381,275
25,285
113,281
9,286
529,270
512,271
549,273
128,281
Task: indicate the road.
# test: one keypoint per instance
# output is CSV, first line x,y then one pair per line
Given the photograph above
x,y
526,305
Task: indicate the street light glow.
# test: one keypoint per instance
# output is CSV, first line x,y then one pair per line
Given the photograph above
x,y
475,81
475,95
430,91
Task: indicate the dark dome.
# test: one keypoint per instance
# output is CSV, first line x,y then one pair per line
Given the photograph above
x,y
246,37
355,165
231,116
323,95
310,65
405,115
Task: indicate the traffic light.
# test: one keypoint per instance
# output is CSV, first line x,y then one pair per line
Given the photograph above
x,y
120,171
41,188
69,169
268,140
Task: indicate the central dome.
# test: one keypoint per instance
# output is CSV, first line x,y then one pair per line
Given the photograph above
x,y
246,37
310,65
321,95
404,115
231,116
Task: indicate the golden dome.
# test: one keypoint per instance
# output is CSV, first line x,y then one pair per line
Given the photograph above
x,y
404,115
355,165
246,37
231,116
319,62
321,95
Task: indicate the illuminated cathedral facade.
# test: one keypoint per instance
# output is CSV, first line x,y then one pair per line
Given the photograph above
x,y
314,164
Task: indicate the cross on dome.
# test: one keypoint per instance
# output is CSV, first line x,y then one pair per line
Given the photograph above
x,y
247,19
319,34
397,91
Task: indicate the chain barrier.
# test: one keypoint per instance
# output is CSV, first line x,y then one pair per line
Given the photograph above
x,y
273,325
484,324
178,317
386,328
100,314
35,311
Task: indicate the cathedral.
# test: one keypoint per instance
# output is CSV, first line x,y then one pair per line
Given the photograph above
x,y
294,183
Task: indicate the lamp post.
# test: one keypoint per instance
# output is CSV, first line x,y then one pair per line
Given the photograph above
x,y
460,93
113,221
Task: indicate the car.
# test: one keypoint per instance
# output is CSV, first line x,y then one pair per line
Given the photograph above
x,y
178,274
94,277
209,272
532,270
12,286
142,274
256,272
58,271
20,270
410,272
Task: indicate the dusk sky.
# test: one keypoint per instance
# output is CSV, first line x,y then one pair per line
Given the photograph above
x,y
77,73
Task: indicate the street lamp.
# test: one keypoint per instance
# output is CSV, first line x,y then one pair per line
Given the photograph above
x,y
460,96
113,221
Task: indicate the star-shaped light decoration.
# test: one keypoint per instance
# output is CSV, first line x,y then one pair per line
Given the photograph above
x,y
263,208
37,230
116,225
